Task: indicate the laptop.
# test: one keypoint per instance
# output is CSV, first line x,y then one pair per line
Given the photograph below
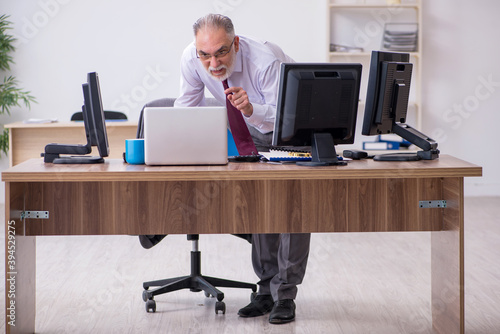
x,y
185,136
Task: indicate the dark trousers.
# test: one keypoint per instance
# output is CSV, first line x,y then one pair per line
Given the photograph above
x,y
262,141
280,261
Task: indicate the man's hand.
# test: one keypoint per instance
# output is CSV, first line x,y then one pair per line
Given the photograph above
x,y
239,99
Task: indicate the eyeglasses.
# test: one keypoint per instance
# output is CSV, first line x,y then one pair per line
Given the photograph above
x,y
217,55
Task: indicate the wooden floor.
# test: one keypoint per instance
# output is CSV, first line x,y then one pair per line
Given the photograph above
x,y
355,283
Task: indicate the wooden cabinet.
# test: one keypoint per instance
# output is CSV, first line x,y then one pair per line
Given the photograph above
x,y
27,141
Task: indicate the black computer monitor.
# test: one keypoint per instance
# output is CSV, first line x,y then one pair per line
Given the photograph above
x,y
387,105
95,131
317,107
88,119
99,128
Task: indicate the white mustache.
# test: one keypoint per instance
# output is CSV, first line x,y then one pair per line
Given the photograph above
x,y
218,68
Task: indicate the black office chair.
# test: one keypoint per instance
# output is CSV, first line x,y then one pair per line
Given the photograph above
x,y
108,114
195,281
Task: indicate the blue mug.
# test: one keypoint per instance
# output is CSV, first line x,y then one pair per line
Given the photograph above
x,y
134,151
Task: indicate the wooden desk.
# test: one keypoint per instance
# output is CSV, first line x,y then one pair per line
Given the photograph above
x,y
116,198
27,141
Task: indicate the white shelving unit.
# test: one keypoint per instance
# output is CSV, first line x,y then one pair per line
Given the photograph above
x,y
360,24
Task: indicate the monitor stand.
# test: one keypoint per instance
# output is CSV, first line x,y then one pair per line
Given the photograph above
x,y
415,156
396,157
53,153
322,152
86,159
429,146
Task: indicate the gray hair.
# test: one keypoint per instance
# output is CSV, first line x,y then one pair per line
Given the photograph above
x,y
214,21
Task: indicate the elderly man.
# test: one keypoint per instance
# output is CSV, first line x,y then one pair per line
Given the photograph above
x,y
246,72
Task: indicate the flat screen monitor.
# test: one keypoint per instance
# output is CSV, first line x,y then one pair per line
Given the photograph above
x,y
99,130
387,105
88,120
95,131
317,108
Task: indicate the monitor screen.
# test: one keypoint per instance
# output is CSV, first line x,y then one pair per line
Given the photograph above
x,y
95,131
317,106
97,115
387,105
88,120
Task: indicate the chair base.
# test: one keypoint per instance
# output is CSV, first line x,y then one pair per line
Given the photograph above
x,y
195,282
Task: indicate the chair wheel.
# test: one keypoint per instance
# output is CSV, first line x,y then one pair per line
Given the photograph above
x,y
252,296
145,296
220,306
208,295
151,306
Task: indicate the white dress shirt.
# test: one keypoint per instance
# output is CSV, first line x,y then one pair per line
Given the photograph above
x,y
256,70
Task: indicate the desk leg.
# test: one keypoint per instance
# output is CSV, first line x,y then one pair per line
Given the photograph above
x,y
20,262
448,262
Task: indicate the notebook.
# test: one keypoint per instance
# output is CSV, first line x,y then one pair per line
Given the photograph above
x,y
185,136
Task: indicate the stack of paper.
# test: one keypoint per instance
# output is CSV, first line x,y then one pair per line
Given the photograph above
x,y
400,37
286,155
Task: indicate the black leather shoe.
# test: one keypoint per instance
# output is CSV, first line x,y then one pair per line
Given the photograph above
x,y
148,241
261,305
283,312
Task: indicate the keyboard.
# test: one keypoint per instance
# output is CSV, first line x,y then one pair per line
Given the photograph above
x,y
244,158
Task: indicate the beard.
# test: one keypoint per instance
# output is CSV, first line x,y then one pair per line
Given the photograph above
x,y
229,69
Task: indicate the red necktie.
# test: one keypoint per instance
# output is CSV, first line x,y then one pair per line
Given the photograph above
x,y
242,138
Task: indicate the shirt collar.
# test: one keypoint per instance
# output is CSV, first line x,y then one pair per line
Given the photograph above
x,y
238,67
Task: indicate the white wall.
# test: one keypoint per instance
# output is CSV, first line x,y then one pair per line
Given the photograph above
x,y
461,85
135,47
